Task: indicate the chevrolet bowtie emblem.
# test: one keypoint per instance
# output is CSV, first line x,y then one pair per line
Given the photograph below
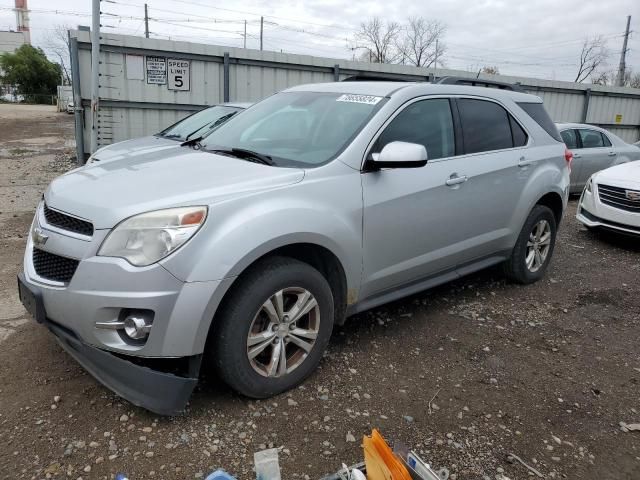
x,y
632,195
38,237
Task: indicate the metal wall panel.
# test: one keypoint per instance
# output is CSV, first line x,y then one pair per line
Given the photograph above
x,y
132,107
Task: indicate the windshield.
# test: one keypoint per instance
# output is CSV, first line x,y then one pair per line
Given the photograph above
x,y
296,128
199,123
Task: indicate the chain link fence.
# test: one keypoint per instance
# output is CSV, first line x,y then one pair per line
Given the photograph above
x,y
9,94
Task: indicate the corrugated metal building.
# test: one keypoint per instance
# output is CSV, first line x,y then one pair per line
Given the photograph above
x,y
147,84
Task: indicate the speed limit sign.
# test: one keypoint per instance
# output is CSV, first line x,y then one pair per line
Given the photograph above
x,y
178,73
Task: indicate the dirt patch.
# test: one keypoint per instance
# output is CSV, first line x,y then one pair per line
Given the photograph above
x,y
465,374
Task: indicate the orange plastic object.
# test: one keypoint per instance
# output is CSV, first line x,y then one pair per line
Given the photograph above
x,y
380,461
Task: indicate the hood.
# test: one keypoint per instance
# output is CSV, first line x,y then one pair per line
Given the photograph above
x,y
129,148
108,193
624,174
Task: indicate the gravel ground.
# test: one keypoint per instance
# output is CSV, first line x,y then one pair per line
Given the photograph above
x,y
468,374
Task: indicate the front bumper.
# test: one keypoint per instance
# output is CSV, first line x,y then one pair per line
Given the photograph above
x,y
595,214
160,392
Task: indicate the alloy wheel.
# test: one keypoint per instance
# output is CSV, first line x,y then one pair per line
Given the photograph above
x,y
538,245
283,332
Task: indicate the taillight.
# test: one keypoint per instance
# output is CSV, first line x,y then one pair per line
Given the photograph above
x,y
568,156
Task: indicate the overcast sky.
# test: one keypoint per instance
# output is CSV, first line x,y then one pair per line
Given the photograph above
x,y
540,38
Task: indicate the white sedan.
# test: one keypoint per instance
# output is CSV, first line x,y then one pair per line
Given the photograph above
x,y
611,199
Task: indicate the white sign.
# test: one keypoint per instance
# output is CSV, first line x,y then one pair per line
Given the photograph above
x,y
134,67
156,70
179,73
352,98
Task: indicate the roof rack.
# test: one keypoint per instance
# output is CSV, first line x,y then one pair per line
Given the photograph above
x,y
382,77
480,82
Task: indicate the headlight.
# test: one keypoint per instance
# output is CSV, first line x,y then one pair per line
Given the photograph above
x,y
149,237
589,186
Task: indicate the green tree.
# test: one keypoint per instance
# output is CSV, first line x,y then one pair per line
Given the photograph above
x,y
31,71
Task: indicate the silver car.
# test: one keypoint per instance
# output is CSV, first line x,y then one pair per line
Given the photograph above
x,y
242,251
195,125
594,149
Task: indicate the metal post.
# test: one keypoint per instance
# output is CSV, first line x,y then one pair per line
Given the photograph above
x,y
95,71
225,87
435,62
585,108
78,110
336,73
245,35
146,21
261,30
623,64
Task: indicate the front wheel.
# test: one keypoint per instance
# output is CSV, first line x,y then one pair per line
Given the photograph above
x,y
273,328
533,250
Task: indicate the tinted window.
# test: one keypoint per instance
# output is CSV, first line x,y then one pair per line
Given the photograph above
x,y
590,138
485,126
569,138
427,122
605,139
540,115
519,135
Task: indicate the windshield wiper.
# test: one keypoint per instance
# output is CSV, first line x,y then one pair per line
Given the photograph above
x,y
193,142
244,154
172,135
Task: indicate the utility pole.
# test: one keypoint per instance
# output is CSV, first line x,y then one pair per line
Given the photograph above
x,y
95,72
245,34
261,30
435,61
146,21
623,54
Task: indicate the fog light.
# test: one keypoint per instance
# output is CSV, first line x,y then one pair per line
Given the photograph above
x,y
136,327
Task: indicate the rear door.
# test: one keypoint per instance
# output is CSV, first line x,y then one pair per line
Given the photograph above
x,y
497,165
570,139
596,153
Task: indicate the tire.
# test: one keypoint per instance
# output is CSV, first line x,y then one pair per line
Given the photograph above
x,y
517,268
244,312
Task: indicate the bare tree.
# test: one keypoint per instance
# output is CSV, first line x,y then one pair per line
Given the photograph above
x,y
380,39
490,70
57,44
419,42
608,77
594,54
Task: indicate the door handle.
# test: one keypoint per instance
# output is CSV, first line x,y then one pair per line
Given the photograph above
x,y
454,179
523,162
612,154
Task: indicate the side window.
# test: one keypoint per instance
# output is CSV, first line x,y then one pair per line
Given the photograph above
x,y
427,122
605,140
590,138
569,138
485,126
518,134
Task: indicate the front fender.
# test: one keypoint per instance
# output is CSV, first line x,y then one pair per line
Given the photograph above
x,y
326,212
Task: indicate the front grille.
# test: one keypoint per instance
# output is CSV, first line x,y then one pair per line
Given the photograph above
x,y
617,197
67,222
54,267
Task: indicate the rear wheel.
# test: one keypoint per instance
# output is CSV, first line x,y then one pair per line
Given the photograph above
x,y
533,250
274,327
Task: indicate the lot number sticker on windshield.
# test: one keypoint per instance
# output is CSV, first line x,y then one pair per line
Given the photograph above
x,y
368,99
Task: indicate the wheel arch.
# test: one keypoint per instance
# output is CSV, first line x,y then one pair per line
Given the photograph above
x,y
554,202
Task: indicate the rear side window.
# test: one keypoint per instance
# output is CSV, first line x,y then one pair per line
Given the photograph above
x,y
427,122
591,138
485,126
518,134
569,138
605,139
540,115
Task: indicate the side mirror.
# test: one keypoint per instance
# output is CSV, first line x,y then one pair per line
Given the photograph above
x,y
400,155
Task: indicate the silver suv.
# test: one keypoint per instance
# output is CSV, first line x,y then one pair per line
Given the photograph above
x,y
243,250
